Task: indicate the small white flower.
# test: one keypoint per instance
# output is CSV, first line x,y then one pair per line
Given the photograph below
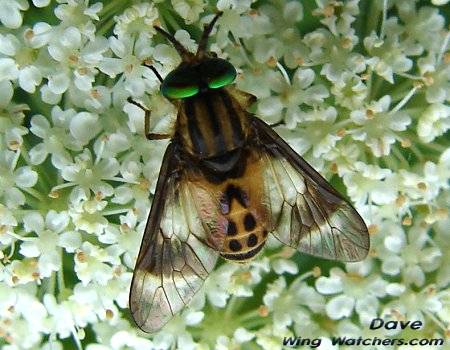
x,y
23,317
291,304
414,305
91,264
28,75
14,181
412,255
370,182
281,266
388,56
436,77
8,69
338,16
7,224
78,58
45,245
136,78
423,28
123,239
336,53
350,91
378,125
86,213
241,335
10,14
97,99
137,20
318,131
436,176
189,9
56,140
84,126
232,20
286,104
360,291
434,122
88,175
343,157
281,41
78,13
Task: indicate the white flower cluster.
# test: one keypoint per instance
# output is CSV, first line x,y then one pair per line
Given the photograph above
x,y
362,91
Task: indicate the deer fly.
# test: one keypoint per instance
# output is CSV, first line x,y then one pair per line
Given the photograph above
x,y
227,180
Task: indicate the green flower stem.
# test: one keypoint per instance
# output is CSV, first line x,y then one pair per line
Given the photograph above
x,y
383,21
113,7
170,20
233,305
443,48
414,112
249,315
405,100
400,157
418,153
106,26
257,322
48,286
374,18
76,339
31,191
440,324
435,147
19,237
12,249
399,92
60,273
115,211
375,87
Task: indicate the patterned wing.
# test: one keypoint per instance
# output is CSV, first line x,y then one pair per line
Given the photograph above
x,y
176,253
307,213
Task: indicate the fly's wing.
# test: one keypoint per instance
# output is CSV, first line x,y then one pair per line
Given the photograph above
x,y
307,213
176,255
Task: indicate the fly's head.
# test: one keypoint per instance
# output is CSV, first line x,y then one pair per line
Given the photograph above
x,y
197,73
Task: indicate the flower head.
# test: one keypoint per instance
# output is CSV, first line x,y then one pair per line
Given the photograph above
x,y
360,89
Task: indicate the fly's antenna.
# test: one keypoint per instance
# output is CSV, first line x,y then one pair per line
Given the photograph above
x,y
154,71
186,56
204,39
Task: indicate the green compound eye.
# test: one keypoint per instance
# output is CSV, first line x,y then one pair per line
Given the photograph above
x,y
218,72
181,83
187,81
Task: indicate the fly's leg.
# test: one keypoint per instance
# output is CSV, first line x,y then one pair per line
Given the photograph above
x,y
281,122
148,135
154,71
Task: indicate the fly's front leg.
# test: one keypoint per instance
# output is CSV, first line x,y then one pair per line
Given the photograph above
x,y
149,135
281,122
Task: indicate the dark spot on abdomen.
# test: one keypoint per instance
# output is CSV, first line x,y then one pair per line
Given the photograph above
x,y
249,222
233,192
234,245
252,240
231,228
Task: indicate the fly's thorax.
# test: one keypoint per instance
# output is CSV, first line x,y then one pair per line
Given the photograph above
x,y
211,123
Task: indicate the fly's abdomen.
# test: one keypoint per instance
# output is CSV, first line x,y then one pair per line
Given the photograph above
x,y
245,236
211,124
246,217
